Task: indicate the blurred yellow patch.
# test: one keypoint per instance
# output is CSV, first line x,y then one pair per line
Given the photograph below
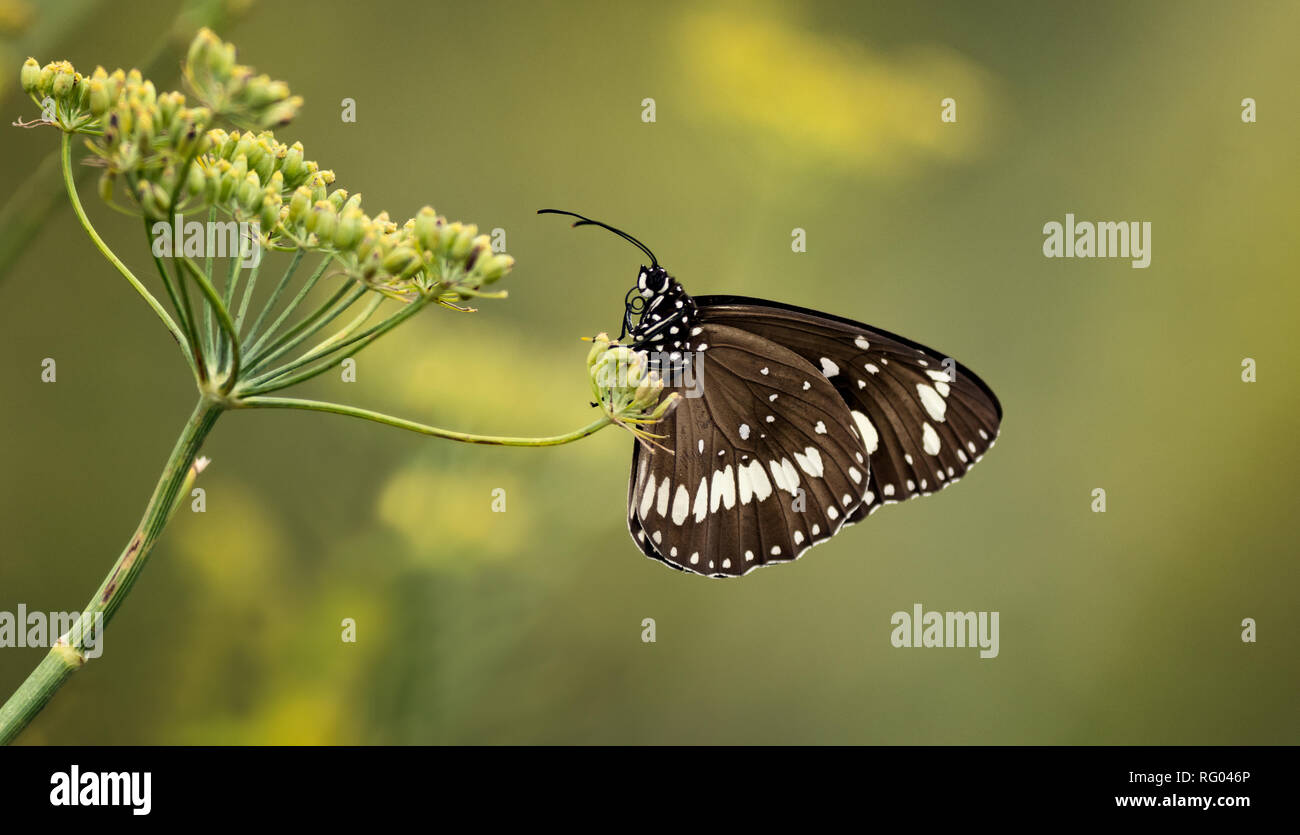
x,y
447,516
236,545
831,97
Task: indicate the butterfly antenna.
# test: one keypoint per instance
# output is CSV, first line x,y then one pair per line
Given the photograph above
x,y
586,221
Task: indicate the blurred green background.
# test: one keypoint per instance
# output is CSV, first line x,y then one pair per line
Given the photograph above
x,y
525,626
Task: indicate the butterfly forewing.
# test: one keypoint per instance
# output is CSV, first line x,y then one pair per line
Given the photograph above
x,y
765,464
924,422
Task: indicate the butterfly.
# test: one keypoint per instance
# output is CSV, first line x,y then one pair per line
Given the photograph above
x,y
792,424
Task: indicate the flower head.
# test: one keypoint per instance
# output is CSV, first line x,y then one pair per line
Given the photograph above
x,y
626,388
168,157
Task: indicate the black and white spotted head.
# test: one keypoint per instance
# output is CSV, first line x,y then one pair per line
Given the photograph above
x,y
659,315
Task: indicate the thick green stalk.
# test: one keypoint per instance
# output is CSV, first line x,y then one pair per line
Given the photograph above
x,y
68,655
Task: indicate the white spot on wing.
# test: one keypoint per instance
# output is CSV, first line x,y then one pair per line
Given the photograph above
x,y
681,504
829,368
929,439
648,497
935,406
810,461
868,432
762,487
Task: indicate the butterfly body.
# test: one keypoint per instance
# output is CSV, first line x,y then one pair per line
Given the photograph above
x,y
799,424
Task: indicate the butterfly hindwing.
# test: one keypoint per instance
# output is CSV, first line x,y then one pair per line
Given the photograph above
x,y
922,428
764,464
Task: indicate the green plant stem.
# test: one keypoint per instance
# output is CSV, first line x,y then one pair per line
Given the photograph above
x,y
258,402
71,186
275,295
207,269
223,319
275,378
303,331
249,287
185,324
288,311
68,654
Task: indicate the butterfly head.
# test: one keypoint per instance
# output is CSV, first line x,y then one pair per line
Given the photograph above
x,y
658,312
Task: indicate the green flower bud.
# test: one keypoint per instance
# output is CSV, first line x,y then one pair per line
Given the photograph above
x,y
322,221
369,240
154,200
197,55
196,180
221,58
250,192
107,181
45,80
318,184
464,242
293,166
496,267
370,264
64,80
144,126
169,105
299,205
227,181
239,169
115,82
29,75
270,215
99,99
244,146
399,259
427,225
448,235
352,225
281,114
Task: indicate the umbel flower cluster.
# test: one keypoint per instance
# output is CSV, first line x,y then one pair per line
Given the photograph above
x,y
626,389
167,158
